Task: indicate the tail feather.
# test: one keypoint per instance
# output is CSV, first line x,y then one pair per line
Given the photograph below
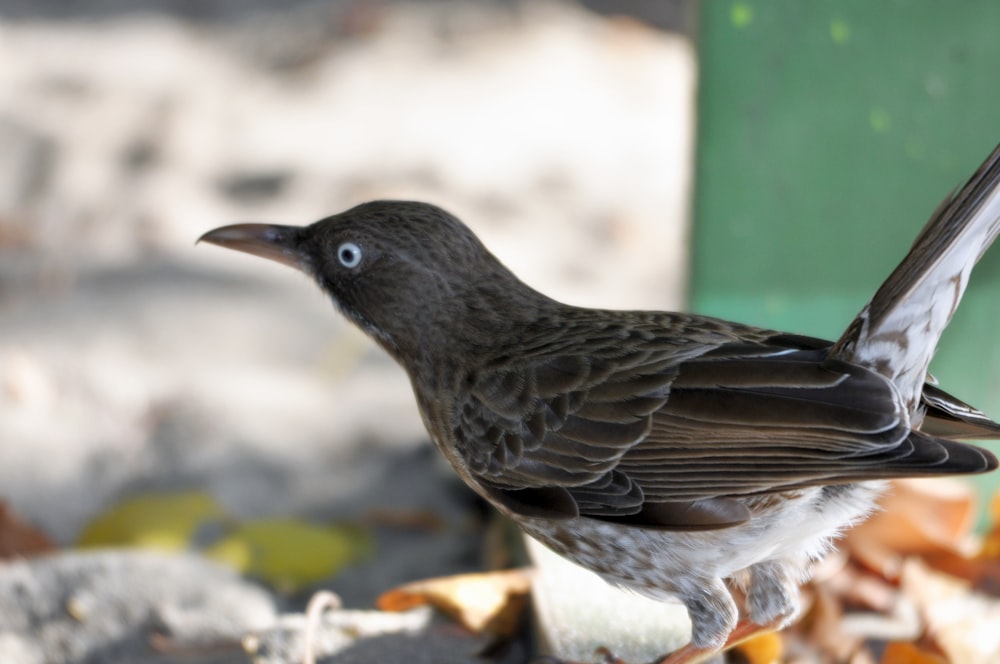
x,y
897,332
948,417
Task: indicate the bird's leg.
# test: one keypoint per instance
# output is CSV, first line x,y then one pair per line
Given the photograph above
x,y
771,601
773,593
714,615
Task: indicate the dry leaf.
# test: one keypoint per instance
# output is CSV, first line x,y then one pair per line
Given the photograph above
x,y
873,555
168,521
19,538
764,648
291,554
894,590
984,570
961,623
983,574
820,627
860,589
902,652
490,603
991,543
918,516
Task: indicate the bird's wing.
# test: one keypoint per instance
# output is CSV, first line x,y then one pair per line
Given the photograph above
x,y
669,439
738,426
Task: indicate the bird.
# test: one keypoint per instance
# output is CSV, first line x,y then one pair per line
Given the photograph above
x,y
680,456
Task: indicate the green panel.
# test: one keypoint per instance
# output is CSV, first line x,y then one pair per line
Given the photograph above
x,y
828,133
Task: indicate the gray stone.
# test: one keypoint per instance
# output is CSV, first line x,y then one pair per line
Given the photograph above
x,y
89,607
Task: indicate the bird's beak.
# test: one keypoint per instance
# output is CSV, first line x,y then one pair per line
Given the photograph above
x,y
278,243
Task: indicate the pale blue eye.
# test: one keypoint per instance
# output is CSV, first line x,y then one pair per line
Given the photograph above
x,y
349,254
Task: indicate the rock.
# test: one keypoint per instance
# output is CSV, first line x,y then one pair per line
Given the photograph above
x,y
123,606
356,637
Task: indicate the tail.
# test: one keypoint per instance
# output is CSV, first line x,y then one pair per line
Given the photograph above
x,y
897,332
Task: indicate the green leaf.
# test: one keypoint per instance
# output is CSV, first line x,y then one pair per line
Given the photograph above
x,y
291,554
166,521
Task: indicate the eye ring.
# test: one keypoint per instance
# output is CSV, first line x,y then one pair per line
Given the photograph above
x,y
349,255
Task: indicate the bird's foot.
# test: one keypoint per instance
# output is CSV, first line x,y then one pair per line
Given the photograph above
x,y
605,655
689,654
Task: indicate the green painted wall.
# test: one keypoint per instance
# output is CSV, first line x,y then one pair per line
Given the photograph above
x,y
828,132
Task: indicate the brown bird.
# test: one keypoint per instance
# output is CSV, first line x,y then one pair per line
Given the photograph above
x,y
673,454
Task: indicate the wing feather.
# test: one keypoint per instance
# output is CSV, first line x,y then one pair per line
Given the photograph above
x,y
663,436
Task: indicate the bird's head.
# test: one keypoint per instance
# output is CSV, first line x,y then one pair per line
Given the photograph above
x,y
409,274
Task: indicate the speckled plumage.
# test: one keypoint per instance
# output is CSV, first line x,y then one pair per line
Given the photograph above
x,y
672,454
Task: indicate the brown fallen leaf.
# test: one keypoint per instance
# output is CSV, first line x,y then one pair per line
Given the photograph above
x,y
488,603
766,648
991,542
819,630
962,624
904,652
911,585
859,589
983,571
983,574
918,517
19,538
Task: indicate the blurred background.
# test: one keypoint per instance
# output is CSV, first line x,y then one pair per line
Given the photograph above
x,y
765,161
